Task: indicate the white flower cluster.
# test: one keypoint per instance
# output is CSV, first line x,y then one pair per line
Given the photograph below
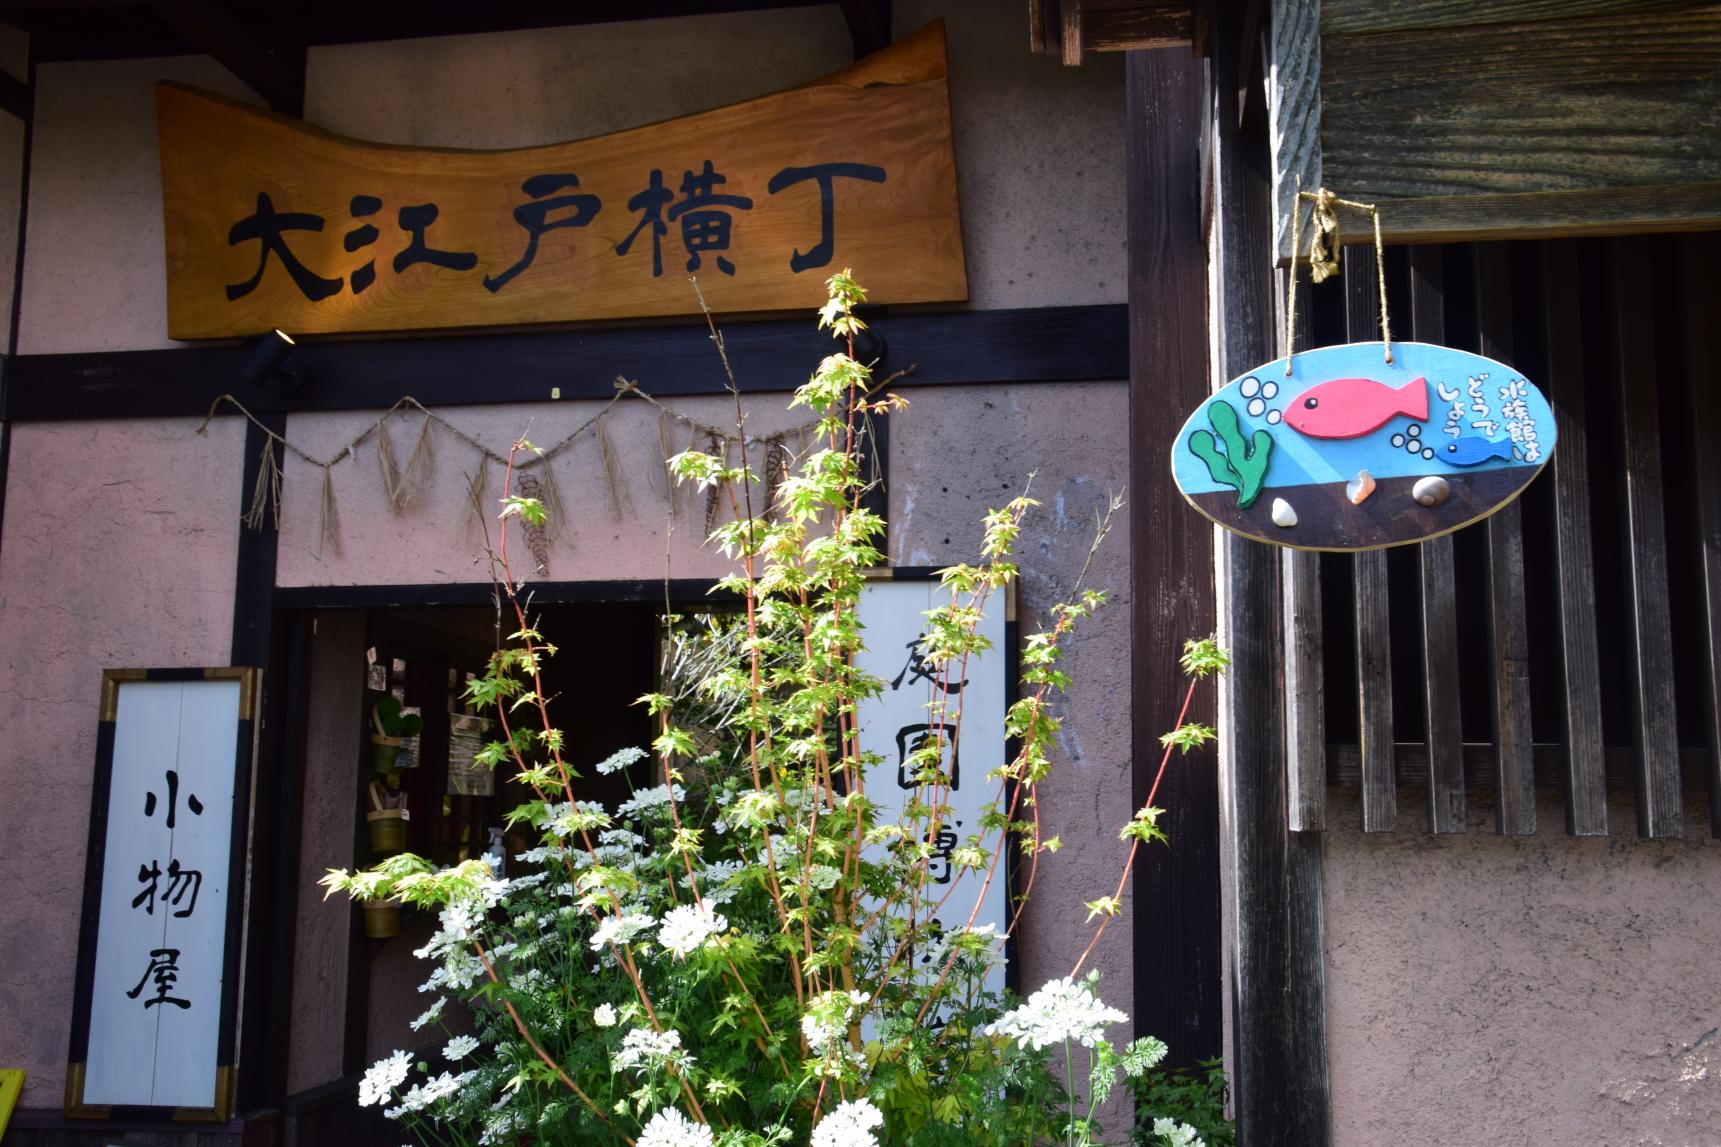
x,y
686,928
1061,1010
670,1128
647,799
431,1015
619,929
849,1124
383,1077
642,1048
619,760
460,1047
828,1016
427,1093
604,1016
1172,1134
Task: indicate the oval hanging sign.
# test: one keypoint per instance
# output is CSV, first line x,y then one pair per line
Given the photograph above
x,y
1350,452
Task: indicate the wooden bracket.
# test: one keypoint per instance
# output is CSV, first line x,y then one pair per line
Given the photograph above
x,y
277,74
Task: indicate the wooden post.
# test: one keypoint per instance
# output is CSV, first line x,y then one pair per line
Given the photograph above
x,y
1176,917
1278,997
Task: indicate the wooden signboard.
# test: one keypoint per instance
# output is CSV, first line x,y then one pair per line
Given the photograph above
x,y
274,223
1350,452
896,723
154,1012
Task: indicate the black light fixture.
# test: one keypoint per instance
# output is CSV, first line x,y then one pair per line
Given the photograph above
x,y
267,366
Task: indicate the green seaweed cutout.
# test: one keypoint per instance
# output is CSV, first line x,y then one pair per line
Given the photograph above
x,y
1243,465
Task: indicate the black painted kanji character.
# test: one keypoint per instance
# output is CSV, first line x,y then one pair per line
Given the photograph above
x,y
180,883
535,217
364,235
703,226
943,844
820,253
191,801
911,741
415,221
919,668
650,203
266,226
164,968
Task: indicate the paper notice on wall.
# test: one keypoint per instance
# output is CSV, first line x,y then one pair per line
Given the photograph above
x,y
466,737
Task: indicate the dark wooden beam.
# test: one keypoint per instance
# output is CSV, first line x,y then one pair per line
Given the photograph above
x,y
1276,969
15,96
869,24
1179,993
1051,344
277,74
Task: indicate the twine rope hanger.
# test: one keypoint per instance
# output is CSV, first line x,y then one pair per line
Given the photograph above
x,y
1324,257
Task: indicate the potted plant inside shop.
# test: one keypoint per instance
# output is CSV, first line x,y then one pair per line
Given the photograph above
x,y
390,725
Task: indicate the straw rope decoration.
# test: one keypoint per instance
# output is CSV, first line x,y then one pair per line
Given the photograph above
x,y
1324,257
400,483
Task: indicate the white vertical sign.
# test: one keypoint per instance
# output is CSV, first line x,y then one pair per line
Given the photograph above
x,y
155,1007
897,722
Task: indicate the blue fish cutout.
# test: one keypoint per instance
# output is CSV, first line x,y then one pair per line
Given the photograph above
x,y
1470,450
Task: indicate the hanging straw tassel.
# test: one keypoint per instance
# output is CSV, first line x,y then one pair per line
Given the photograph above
x,y
554,504
776,473
266,494
619,507
328,523
475,489
719,449
666,450
400,485
530,486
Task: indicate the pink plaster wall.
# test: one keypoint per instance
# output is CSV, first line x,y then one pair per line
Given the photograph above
x,y
1538,990
436,537
119,551
960,451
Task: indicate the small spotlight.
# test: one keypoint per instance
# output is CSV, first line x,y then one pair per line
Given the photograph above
x,y
266,367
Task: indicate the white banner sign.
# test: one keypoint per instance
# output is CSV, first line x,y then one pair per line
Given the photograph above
x,y
157,984
897,722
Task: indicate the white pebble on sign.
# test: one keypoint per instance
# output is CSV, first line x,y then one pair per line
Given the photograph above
x,y
1283,515
1431,491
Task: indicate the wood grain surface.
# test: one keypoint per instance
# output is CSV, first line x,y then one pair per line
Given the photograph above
x,y
898,226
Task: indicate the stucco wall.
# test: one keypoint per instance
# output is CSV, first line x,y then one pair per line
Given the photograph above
x,y
1533,990
120,544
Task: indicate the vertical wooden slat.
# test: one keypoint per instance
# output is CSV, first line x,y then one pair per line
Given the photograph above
x,y
1702,308
1444,736
1586,767
1659,809
1277,963
1373,629
1178,985
1305,690
1514,769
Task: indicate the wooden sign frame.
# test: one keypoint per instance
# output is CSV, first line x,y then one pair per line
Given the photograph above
x,y
79,1102
272,222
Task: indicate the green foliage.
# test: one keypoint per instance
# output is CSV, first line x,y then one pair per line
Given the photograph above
x,y
1193,1097
749,939
1243,464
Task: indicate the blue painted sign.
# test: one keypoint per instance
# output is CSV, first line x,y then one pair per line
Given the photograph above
x,y
1350,452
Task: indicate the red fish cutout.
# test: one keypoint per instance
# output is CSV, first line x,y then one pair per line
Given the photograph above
x,y
1352,407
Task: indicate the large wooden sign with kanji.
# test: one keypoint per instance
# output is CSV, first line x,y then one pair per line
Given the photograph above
x,y
274,223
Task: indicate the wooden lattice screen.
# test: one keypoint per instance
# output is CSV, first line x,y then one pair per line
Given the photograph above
x,y
1574,639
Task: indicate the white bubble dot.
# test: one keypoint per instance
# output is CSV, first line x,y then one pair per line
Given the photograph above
x,y
1249,387
1274,417
1413,431
1256,407
1398,441
1269,390
1429,454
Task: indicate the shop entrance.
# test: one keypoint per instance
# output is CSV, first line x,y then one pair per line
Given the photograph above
x,y
355,979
